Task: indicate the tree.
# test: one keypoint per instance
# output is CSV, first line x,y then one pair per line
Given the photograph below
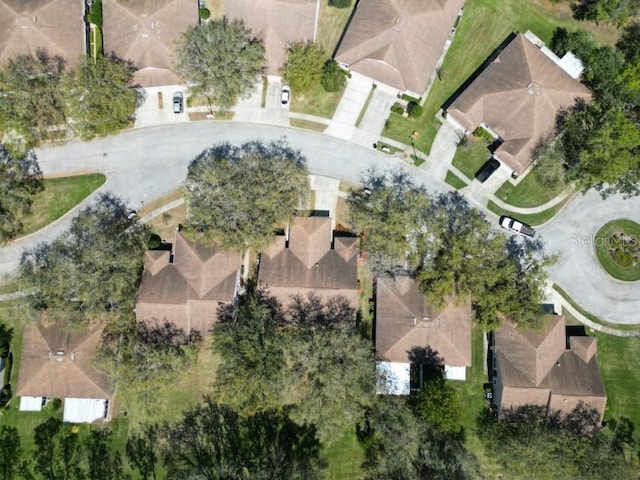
x,y
388,212
439,403
10,452
99,96
103,461
143,451
616,12
304,66
20,179
629,42
93,267
550,164
212,441
31,104
58,451
238,196
222,58
334,78
6,335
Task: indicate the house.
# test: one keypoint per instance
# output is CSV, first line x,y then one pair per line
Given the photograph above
x,y
517,98
186,285
55,25
277,23
405,321
146,33
59,363
310,257
398,42
551,368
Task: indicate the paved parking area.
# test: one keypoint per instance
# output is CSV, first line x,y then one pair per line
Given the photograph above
x,y
351,104
157,108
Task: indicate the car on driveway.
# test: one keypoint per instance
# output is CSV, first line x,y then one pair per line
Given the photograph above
x,y
178,102
487,170
516,226
285,96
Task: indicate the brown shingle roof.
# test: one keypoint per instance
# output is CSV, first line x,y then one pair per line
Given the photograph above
x,y
398,42
518,96
308,263
277,23
55,25
536,367
58,363
145,31
187,292
404,319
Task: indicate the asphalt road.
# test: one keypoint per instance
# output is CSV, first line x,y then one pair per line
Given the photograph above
x,y
144,164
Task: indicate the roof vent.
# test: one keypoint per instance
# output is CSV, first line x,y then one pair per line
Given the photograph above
x,y
414,321
400,22
534,88
558,363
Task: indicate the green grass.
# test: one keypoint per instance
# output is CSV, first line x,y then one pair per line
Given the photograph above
x,y
455,181
58,197
604,240
307,124
316,102
484,25
365,106
619,360
532,219
344,457
530,192
469,158
331,24
265,86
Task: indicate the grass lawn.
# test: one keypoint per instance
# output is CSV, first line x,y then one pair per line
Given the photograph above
x,y
471,157
619,359
344,457
455,181
307,125
167,223
484,25
365,106
619,261
58,197
529,192
532,219
331,23
316,102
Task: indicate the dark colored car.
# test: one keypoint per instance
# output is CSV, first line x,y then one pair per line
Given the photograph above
x,y
487,170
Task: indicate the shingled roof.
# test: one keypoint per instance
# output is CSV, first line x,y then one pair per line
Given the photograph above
x,y
145,31
537,367
188,290
404,319
311,258
398,42
55,25
58,363
518,96
277,23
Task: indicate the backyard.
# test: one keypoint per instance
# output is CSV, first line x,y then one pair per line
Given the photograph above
x,y
484,25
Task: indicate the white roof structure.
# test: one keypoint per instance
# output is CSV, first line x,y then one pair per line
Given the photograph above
x,y
30,404
455,373
393,378
84,410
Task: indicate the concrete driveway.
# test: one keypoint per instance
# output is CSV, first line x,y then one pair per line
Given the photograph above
x,y
157,108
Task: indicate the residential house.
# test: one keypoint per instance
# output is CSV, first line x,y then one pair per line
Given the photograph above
x,y
59,363
186,285
551,368
277,23
518,96
146,32
310,257
405,323
55,25
398,42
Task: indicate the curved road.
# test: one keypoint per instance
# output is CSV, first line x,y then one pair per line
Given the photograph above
x,y
144,164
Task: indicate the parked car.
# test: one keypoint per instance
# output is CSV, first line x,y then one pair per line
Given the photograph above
x,y
487,170
285,96
516,226
178,102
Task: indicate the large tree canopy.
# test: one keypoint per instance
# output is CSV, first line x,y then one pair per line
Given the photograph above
x,y
304,66
238,196
617,12
222,58
20,178
99,96
93,267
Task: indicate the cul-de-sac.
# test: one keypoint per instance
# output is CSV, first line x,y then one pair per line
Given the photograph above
x,y
319,239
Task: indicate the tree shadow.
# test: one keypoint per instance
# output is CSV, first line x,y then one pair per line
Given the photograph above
x,y
426,364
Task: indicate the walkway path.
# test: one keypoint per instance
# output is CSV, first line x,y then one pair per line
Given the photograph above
x,y
343,122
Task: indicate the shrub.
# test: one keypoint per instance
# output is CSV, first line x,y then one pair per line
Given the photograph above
x,y
483,134
333,77
205,14
414,109
5,395
154,241
340,3
397,108
95,13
